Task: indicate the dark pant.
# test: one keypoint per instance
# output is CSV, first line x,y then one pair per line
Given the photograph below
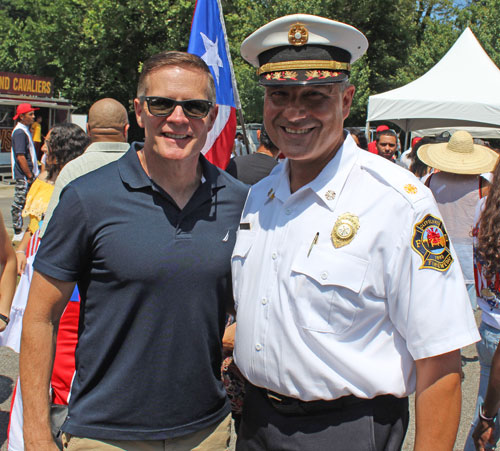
x,y
16,210
367,425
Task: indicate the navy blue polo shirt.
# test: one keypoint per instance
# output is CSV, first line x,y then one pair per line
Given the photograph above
x,y
154,282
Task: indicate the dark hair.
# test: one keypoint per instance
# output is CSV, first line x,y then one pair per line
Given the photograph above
x,y
417,166
389,132
360,134
488,248
65,143
266,141
174,58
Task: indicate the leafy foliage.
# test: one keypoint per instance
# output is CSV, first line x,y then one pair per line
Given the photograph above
x,y
94,48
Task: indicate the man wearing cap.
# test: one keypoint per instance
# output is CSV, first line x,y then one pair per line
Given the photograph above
x,y
24,163
372,145
387,144
347,291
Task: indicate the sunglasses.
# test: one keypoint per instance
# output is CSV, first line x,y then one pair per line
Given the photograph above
x,y
164,107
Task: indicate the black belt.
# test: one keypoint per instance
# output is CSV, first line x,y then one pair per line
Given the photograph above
x,y
293,406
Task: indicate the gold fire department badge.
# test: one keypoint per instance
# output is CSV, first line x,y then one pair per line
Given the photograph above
x,y
345,229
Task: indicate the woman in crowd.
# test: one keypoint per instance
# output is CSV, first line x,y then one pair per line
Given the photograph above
x,y
487,277
63,143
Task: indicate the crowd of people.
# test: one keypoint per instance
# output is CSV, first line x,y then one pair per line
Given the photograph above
x,y
307,299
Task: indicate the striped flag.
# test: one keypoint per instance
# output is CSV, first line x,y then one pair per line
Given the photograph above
x,y
208,40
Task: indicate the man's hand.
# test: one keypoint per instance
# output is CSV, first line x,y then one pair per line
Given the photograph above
x,y
21,262
437,402
41,446
228,339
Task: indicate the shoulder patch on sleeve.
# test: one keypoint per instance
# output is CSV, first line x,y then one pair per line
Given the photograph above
x,y
431,242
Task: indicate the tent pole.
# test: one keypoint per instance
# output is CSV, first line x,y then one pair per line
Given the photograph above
x,y
407,133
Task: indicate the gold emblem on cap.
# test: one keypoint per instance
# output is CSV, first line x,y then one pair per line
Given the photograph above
x,y
298,34
330,195
411,189
345,229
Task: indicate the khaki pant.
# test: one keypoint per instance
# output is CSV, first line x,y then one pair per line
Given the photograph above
x,y
213,438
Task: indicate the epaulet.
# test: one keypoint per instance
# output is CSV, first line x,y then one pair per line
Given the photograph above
x,y
398,178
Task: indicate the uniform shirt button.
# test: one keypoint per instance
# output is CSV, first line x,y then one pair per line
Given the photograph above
x,y
264,301
324,275
258,347
274,255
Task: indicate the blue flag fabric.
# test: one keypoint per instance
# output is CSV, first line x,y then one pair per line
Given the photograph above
x,y
207,40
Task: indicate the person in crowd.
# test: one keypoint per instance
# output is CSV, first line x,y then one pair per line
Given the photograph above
x,y
486,238
347,292
359,137
456,188
239,145
64,142
405,159
485,434
36,133
372,145
387,144
8,276
251,168
148,240
107,128
24,163
417,166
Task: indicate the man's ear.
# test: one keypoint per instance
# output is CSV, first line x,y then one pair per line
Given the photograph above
x,y
212,116
139,109
347,97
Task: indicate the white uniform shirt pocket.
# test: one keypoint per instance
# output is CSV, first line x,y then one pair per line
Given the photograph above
x,y
326,289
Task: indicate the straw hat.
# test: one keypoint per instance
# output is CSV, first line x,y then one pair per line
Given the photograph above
x,y
459,155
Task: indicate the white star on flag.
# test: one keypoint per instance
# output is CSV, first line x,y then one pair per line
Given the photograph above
x,y
211,55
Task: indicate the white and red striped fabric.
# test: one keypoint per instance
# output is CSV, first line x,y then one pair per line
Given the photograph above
x,y
208,40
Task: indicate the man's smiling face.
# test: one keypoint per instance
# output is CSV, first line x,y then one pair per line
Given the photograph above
x,y
306,122
177,136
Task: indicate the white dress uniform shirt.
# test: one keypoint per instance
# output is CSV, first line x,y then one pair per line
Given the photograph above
x,y
320,322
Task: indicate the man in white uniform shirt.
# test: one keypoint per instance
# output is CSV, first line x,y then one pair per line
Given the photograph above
x,y
347,291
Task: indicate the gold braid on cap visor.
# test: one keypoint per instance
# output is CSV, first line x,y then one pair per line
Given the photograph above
x,y
305,64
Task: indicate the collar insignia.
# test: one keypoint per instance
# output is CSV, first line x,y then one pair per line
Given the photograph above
x,y
330,195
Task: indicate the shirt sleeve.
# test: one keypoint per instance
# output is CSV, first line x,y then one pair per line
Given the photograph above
x,y
428,300
64,251
19,142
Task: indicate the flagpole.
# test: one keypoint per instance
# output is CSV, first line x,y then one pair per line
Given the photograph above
x,y
233,78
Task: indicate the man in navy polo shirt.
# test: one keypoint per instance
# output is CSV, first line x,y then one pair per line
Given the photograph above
x,y
148,240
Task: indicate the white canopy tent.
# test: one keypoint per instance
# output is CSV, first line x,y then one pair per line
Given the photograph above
x,y
461,90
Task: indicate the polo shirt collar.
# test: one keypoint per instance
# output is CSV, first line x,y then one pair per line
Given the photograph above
x,y
330,181
133,174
